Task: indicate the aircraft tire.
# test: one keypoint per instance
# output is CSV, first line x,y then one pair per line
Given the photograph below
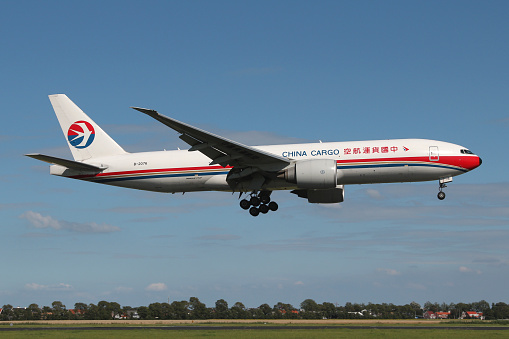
x,y
254,211
244,204
441,195
273,206
263,208
255,201
265,199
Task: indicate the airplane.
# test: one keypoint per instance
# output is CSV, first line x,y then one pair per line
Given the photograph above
x,y
317,172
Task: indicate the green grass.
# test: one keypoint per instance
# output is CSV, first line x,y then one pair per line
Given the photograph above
x,y
278,334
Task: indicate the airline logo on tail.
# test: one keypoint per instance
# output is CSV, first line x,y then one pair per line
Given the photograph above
x,y
81,134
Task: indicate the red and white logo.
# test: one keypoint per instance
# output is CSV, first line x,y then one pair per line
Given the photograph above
x,y
81,134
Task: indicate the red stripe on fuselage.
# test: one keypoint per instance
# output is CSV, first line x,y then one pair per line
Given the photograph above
x,y
466,162
147,171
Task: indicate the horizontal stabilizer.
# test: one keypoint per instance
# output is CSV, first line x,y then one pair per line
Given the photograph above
x,y
79,166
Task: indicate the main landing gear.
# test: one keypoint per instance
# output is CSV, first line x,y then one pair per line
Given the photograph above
x,y
442,185
259,203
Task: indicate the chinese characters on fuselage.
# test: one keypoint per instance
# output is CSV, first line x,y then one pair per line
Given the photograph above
x,y
344,151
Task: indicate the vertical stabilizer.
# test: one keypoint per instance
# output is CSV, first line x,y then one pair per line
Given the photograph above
x,y
85,138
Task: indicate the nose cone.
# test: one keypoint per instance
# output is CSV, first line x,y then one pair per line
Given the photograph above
x,y
471,162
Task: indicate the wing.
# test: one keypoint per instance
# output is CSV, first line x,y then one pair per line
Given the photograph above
x,y
220,150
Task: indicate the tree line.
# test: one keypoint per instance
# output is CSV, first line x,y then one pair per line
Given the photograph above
x,y
195,309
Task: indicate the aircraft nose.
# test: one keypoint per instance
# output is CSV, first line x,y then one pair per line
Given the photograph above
x,y
480,161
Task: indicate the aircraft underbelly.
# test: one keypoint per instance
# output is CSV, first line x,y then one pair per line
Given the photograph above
x,y
405,173
179,184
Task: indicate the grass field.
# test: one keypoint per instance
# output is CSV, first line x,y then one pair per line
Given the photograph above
x,y
341,330
279,334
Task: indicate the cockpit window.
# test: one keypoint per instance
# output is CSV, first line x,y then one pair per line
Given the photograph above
x,y
466,151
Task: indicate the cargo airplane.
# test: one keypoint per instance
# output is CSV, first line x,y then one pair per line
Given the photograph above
x,y
317,172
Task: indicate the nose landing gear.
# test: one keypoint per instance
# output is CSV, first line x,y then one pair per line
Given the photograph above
x,y
441,195
442,184
259,203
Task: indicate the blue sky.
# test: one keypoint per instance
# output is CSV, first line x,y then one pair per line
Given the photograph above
x,y
257,72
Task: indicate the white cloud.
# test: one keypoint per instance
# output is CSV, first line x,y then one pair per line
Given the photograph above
x,y
39,221
123,289
388,271
57,287
465,269
156,287
298,283
374,193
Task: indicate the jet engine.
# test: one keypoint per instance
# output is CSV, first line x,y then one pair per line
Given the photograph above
x,y
314,174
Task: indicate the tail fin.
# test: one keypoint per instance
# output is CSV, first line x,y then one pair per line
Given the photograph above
x,y
85,138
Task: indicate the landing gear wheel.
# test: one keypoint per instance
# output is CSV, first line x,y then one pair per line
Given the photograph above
x,y
244,204
273,206
263,208
254,211
265,199
255,201
441,195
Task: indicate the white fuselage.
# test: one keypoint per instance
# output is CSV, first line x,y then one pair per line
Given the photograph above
x,y
358,162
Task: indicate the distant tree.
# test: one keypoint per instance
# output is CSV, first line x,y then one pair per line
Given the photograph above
x,y
311,310
33,312
238,311
285,310
107,310
156,311
114,308
480,306
254,313
222,311
417,308
92,312
80,309
167,310
459,309
500,310
47,313
7,313
198,309
266,311
329,311
143,312
445,307
433,307
180,310
59,310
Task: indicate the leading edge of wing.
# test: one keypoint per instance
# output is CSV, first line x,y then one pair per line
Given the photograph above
x,y
219,149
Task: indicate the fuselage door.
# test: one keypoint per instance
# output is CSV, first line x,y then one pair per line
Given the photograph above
x,y
433,153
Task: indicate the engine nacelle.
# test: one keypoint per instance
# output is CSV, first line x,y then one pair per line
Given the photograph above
x,y
314,174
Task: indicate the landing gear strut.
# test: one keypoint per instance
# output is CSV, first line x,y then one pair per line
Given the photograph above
x,y
442,185
259,203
